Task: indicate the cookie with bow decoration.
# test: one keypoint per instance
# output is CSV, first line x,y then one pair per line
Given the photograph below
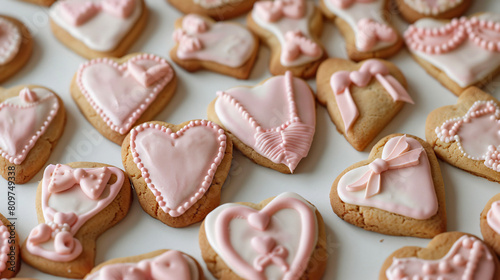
x,y
490,223
78,24
413,10
117,94
361,98
75,204
282,237
32,120
466,135
450,255
272,123
365,26
397,191
16,46
157,265
10,260
216,9
224,47
291,29
178,170
459,53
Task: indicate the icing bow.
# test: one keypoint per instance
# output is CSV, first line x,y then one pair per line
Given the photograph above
x,y
343,4
78,13
371,32
342,80
297,43
187,43
400,157
272,11
270,253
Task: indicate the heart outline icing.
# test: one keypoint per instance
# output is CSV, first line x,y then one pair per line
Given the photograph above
x,y
267,255
19,131
140,79
468,258
4,246
387,184
166,195
282,135
10,41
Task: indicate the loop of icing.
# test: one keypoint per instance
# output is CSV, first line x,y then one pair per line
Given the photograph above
x,y
272,11
4,246
77,13
297,44
432,7
10,41
370,32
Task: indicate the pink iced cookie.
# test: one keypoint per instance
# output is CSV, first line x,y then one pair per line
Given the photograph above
x,y
16,46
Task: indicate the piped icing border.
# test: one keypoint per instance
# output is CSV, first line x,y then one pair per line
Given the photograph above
x,y
432,8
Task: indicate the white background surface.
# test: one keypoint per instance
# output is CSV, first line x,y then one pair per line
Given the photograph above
x,y
354,253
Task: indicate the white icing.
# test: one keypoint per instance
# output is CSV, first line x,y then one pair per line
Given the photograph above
x,y
357,11
209,4
287,221
432,7
10,41
282,26
103,32
74,200
467,64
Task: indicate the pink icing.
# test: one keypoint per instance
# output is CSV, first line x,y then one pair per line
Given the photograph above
x,y
224,43
198,148
492,158
118,8
405,187
267,244
120,93
171,265
276,119
344,4
493,217
468,259
18,123
4,246
438,40
10,41
272,11
296,43
370,32
342,80
78,13
60,227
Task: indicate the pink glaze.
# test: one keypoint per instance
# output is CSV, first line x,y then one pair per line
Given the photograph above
x,y
60,227
468,259
493,217
370,32
272,11
18,123
120,93
198,148
492,158
171,265
4,246
342,80
10,41
344,4
266,244
296,44
118,8
270,119
78,13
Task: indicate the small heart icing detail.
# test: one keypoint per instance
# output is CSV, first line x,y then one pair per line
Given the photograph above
x,y
120,93
198,148
10,41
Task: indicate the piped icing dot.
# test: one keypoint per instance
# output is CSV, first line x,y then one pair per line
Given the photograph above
x,y
432,7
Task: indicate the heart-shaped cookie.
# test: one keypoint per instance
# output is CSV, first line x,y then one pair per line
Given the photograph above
x,y
32,119
450,255
413,10
291,29
16,46
71,219
157,265
276,239
365,27
10,261
397,191
222,47
116,94
361,98
272,123
490,223
460,53
216,9
453,133
79,25
182,168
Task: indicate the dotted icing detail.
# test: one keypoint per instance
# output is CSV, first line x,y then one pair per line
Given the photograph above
x,y
221,137
433,7
10,41
4,247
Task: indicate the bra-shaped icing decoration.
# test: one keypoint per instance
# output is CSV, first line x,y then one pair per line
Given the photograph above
x,y
224,43
344,4
23,121
493,217
78,13
400,182
297,44
371,32
178,186
272,11
269,234
468,259
120,93
171,265
432,7
342,80
54,239
289,139
10,41
4,246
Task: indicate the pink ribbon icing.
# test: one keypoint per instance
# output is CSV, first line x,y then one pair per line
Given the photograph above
x,y
271,253
344,4
493,217
60,227
370,32
468,259
4,246
342,80
296,43
400,157
171,265
78,13
272,11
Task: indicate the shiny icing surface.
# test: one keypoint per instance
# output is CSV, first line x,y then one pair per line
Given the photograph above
x,y
210,4
432,7
10,41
